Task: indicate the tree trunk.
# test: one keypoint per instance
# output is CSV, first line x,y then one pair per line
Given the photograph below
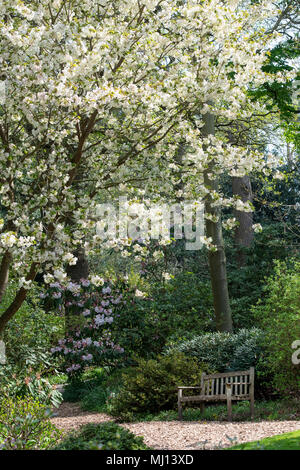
x,y
18,300
244,234
216,259
4,273
80,270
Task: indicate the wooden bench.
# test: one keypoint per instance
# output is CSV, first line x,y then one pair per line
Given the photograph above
x,y
229,386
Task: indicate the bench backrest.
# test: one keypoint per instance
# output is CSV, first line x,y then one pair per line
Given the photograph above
x,y
240,382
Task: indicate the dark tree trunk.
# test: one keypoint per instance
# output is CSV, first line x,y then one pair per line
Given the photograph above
x,y
241,187
76,272
4,273
216,259
18,300
80,270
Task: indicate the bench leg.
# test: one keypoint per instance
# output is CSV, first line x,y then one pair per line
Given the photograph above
x,y
229,402
179,404
229,409
252,407
179,411
252,392
202,407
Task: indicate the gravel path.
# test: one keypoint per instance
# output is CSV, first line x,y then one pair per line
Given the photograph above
x,y
175,435
70,416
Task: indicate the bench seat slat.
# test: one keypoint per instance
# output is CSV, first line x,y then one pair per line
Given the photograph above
x,y
240,383
213,398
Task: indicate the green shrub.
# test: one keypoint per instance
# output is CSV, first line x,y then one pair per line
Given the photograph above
x,y
25,424
105,436
31,333
28,338
279,316
24,383
152,385
224,351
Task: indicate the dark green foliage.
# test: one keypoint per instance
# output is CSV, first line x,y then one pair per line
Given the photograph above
x,y
105,436
279,315
152,385
172,311
184,304
92,379
280,95
275,201
276,210
224,351
279,59
136,330
75,391
95,399
246,283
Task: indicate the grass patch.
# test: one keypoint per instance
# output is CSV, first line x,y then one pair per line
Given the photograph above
x,y
287,441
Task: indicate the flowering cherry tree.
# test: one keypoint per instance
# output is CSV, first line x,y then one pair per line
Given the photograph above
x,y
80,109
95,94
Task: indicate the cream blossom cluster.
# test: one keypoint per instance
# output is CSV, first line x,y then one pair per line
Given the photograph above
x,y
230,223
257,228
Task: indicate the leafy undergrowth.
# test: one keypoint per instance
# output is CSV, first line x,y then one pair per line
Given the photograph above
x,y
105,436
95,389
287,441
57,379
264,411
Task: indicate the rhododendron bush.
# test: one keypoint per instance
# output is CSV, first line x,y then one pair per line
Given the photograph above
x,y
96,94
90,310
